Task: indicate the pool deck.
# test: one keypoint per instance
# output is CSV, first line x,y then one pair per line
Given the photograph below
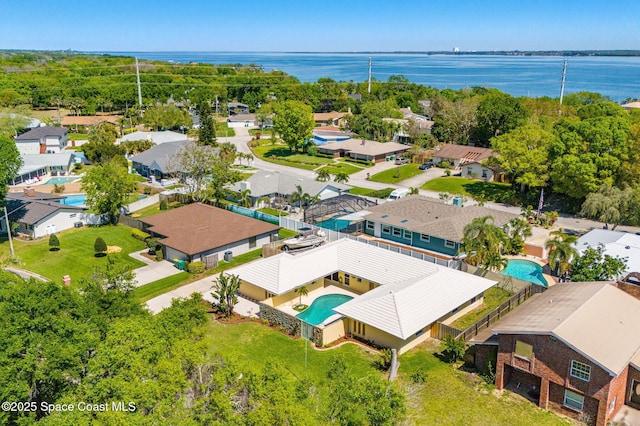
x,y
550,280
308,299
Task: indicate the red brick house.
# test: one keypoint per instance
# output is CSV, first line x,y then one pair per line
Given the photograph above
x,y
574,349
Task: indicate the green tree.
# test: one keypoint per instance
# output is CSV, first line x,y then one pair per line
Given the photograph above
x,y
207,130
245,198
10,163
341,177
453,349
455,121
299,196
226,287
54,242
294,123
101,147
594,265
517,230
108,186
482,240
561,251
323,175
99,246
612,205
498,113
302,291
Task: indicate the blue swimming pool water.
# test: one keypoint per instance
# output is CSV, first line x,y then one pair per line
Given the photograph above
x,y
322,308
61,180
75,200
335,224
525,270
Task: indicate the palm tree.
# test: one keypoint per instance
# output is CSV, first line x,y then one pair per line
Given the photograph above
x,y
226,287
413,191
299,196
562,251
302,291
494,262
245,198
517,230
341,177
323,175
482,240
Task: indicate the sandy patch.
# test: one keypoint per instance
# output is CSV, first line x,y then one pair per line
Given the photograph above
x,y
114,249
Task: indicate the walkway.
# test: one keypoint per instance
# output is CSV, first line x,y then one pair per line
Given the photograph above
x,y
153,271
23,273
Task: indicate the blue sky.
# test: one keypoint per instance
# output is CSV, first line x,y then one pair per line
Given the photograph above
x,y
299,25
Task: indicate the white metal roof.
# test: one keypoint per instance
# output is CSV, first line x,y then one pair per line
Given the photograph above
x,y
412,293
616,243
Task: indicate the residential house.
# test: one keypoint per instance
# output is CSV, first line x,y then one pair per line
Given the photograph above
x,y
476,170
36,166
40,214
159,161
242,120
459,155
238,108
333,118
197,232
631,105
616,244
361,149
42,140
427,223
574,349
272,185
155,137
395,299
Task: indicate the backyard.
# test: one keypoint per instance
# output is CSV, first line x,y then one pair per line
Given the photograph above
x,y
488,191
493,298
76,256
397,174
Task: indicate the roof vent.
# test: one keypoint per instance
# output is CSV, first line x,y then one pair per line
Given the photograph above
x,y
384,215
404,220
627,247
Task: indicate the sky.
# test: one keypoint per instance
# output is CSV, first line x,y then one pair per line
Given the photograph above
x,y
310,26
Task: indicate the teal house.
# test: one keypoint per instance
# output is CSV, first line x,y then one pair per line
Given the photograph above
x,y
426,223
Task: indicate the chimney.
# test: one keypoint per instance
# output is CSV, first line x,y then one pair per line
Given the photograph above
x,y
29,192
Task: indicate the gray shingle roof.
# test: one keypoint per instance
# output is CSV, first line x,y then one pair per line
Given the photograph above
x,y
433,217
34,211
160,156
41,132
265,182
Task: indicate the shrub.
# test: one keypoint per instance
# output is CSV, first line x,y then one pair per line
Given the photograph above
x,y
195,267
147,190
139,235
159,255
100,246
54,242
420,376
58,189
447,172
444,164
312,150
453,349
78,166
384,360
164,205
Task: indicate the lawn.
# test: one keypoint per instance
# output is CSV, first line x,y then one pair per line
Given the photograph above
x,y
397,174
493,298
281,154
490,191
163,285
76,256
272,212
451,396
376,193
223,130
77,136
342,167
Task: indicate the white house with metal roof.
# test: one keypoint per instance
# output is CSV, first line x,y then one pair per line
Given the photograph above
x,y
396,298
616,244
155,137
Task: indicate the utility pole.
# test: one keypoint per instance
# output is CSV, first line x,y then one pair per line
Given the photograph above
x,y
139,89
369,86
564,74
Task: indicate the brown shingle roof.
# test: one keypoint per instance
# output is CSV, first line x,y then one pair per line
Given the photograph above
x,y
433,217
371,148
196,228
463,152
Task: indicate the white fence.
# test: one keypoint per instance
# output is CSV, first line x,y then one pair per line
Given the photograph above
x,y
296,225
141,204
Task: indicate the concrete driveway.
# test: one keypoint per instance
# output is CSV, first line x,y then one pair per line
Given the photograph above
x,y
153,271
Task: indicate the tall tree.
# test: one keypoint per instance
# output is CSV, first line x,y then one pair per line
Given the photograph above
x,y
101,147
561,251
207,131
299,196
323,175
294,123
498,113
482,240
455,121
613,206
10,163
108,186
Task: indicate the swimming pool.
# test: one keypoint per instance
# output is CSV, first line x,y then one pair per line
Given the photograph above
x,y
322,308
525,270
61,180
75,200
335,224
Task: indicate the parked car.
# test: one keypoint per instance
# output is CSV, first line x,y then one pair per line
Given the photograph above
x,y
427,165
396,194
402,160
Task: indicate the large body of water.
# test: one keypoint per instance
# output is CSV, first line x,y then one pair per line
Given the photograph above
x,y
534,76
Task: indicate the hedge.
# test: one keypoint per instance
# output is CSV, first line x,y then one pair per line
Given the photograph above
x,y
139,235
196,267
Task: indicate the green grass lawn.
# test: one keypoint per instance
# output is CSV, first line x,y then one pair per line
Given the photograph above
x,y
272,212
397,174
342,167
286,233
77,136
491,191
76,255
451,396
224,131
281,154
163,285
377,193
493,298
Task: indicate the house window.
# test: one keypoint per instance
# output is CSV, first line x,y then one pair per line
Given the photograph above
x,y
523,350
347,278
420,332
580,371
397,232
335,276
386,229
370,225
252,242
612,405
573,400
484,173
469,171
449,244
407,234
425,238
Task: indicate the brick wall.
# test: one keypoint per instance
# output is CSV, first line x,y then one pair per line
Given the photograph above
x,y
632,289
551,360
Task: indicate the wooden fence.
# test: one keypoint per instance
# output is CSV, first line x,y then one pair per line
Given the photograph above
x,y
440,330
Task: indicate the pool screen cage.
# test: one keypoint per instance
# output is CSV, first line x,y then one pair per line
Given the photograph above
x,y
341,205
